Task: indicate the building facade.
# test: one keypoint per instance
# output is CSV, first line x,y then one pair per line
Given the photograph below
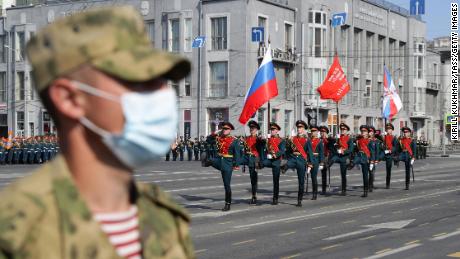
x,y
303,44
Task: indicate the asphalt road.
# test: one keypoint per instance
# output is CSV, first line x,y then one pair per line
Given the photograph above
x,y
423,222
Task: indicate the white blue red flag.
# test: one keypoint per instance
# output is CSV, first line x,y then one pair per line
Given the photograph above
x,y
391,101
263,88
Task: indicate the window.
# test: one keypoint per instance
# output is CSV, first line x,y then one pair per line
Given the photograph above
x,y
2,86
20,46
20,87
219,33
419,67
187,34
174,35
20,123
187,123
288,36
356,48
381,54
370,121
310,17
287,122
344,47
435,73
318,18
317,42
218,81
46,122
369,45
402,64
3,49
188,90
275,115
356,124
288,86
262,22
33,91
175,86
392,55
150,28
216,116
261,118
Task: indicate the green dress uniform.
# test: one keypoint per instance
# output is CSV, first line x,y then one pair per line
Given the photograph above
x,y
341,154
296,153
275,150
196,149
227,159
44,216
374,144
390,150
253,150
407,147
365,154
315,149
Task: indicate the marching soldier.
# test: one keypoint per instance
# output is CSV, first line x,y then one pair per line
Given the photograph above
x,y
365,155
390,149
202,146
343,149
227,159
275,150
375,145
315,151
181,147
189,147
196,149
328,144
253,149
296,152
408,153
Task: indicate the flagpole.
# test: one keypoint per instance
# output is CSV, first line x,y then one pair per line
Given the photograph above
x,y
337,103
268,114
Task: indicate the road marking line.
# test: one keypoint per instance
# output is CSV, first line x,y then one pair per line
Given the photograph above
x,y
393,251
200,251
456,255
375,204
366,238
226,222
396,212
395,231
223,232
329,247
244,242
424,224
436,204
287,234
451,201
349,221
415,208
440,234
412,242
291,256
383,251
320,227
443,219
376,216
444,235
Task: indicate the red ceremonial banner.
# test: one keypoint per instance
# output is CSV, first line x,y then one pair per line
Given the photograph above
x,y
335,86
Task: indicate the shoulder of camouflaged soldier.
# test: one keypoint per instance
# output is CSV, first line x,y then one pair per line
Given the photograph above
x,y
22,204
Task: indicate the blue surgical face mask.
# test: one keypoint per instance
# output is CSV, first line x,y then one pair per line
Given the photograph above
x,y
150,125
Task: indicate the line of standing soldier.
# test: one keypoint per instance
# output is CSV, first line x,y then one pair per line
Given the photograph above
x,y
33,150
307,155
193,148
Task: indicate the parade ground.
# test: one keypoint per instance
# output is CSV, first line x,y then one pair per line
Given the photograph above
x,y
423,222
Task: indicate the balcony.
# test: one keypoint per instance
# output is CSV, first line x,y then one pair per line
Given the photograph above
x,y
279,55
432,86
418,115
217,91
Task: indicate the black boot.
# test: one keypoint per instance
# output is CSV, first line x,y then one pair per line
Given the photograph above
x,y
387,186
407,187
315,196
344,191
364,194
299,199
275,200
228,201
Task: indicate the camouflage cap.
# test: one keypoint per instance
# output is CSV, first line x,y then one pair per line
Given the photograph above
x,y
111,39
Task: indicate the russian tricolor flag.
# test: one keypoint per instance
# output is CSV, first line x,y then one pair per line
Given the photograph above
x,y
262,89
391,101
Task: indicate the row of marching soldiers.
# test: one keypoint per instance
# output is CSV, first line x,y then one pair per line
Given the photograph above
x,y
32,150
309,154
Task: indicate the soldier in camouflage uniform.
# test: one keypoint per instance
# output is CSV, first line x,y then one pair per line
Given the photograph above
x,y
78,61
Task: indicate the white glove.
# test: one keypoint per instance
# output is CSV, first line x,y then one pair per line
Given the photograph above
x,y
340,151
308,170
338,136
321,167
371,166
412,161
387,152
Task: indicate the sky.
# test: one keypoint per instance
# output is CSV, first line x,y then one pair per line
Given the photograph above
x,y
437,16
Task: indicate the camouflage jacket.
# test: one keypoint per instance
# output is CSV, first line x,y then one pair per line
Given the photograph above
x,y
43,216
